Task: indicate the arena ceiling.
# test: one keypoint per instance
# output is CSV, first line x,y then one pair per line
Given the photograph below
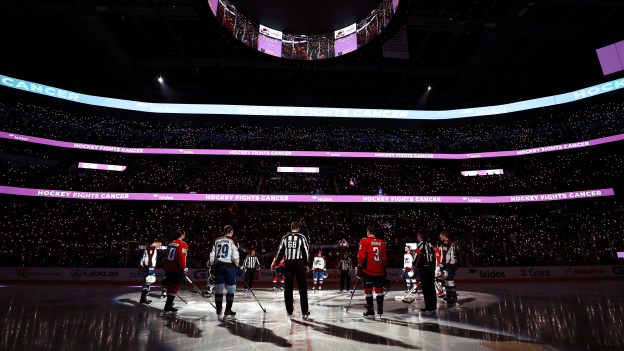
x,y
471,52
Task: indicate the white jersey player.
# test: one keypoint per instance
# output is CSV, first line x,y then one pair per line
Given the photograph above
x,y
318,265
408,268
224,259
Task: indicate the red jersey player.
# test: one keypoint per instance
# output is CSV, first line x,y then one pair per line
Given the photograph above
x,y
174,265
278,271
372,267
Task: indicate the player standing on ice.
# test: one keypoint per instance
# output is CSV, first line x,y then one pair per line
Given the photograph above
x,y
449,264
175,268
319,270
278,272
147,266
439,282
345,266
372,268
408,272
224,260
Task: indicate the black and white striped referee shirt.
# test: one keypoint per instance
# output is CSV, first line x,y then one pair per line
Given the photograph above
x,y
251,262
294,246
424,253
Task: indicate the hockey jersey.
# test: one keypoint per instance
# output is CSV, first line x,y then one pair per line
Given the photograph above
x,y
438,255
149,257
225,252
318,264
175,258
281,264
372,256
449,254
345,264
408,262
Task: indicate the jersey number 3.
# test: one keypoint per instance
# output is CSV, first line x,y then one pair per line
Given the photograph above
x,y
222,251
376,251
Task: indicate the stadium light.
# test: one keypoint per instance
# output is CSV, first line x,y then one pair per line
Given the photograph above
x,y
160,79
429,88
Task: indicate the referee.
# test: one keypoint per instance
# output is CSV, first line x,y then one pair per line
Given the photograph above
x,y
294,249
425,258
250,264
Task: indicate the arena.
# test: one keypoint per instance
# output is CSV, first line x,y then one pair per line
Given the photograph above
x,y
207,174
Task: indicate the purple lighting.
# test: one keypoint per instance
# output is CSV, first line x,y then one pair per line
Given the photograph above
x,y
611,57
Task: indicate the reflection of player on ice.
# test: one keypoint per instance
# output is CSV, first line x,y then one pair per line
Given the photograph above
x,y
278,272
319,270
147,266
224,259
372,268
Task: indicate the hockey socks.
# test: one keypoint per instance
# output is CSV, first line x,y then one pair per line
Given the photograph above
x,y
380,301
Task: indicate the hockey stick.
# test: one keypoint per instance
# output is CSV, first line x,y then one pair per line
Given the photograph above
x,y
183,300
390,288
254,295
199,292
352,293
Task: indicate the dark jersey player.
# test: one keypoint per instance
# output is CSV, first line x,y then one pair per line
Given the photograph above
x,y
372,268
174,265
278,272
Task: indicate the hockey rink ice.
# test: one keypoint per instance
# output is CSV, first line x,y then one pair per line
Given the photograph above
x,y
517,316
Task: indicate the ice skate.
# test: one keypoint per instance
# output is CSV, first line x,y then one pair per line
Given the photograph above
x,y
370,312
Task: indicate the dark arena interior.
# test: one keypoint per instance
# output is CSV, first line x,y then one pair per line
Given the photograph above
x,y
434,175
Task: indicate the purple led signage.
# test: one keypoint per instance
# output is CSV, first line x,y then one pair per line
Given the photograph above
x,y
298,169
213,6
270,41
129,150
611,57
100,166
66,194
346,40
481,173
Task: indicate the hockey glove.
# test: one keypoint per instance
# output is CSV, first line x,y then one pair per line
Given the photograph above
x,y
185,272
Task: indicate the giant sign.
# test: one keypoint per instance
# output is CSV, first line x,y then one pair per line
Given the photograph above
x,y
292,111
91,195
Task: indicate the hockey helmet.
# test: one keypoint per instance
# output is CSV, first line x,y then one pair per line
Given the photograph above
x,y
386,284
441,274
150,279
325,275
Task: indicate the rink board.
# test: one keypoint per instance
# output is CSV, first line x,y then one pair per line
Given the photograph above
x,y
471,275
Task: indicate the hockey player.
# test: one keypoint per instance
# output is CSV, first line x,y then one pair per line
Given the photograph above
x,y
147,265
345,266
408,269
319,270
278,272
174,265
224,260
449,264
371,268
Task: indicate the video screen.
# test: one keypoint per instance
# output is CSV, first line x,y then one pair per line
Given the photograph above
x,y
367,29
299,46
320,47
346,40
295,47
270,41
214,4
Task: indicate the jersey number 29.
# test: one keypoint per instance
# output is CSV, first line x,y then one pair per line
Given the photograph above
x,y
222,251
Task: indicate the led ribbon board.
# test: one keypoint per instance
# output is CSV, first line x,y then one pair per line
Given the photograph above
x,y
481,173
128,150
297,169
100,166
204,109
66,194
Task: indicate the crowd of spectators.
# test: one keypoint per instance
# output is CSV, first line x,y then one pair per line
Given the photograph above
x,y
536,174
93,234
591,123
